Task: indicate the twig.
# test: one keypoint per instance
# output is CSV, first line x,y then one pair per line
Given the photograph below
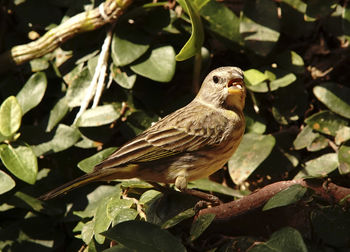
x,y
97,82
80,23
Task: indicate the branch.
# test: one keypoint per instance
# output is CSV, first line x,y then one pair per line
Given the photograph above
x,y
329,192
108,12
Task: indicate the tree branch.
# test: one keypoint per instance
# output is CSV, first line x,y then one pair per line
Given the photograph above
x,y
108,12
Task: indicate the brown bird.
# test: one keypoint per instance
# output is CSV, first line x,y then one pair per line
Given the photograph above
x,y
190,143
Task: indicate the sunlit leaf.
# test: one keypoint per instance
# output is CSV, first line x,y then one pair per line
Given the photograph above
x,y
159,65
32,92
57,113
87,165
98,116
6,182
344,158
252,151
123,76
326,122
21,162
11,116
319,167
77,90
195,42
335,97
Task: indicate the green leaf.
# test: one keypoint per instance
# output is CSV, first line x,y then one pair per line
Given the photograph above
x,y
30,201
342,135
305,137
260,26
64,138
253,77
101,221
39,65
98,116
6,182
87,231
143,236
291,61
87,165
77,90
252,151
115,205
344,158
286,197
286,239
200,225
319,167
195,42
57,113
21,162
326,122
11,116
124,214
123,76
128,44
159,65
278,78
178,218
208,185
219,19
335,97
32,92
319,143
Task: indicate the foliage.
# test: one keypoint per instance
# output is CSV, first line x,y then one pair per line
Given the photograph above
x,y
295,58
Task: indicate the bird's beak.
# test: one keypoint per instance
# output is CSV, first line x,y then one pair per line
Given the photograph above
x,y
235,86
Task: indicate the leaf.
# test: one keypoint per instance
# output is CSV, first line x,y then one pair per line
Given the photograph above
x,y
143,236
219,19
39,64
87,232
87,165
286,239
31,202
57,113
11,116
286,197
101,221
335,97
259,26
158,66
278,78
115,204
305,137
200,225
319,167
326,122
319,143
344,158
123,76
291,61
125,214
178,218
253,77
98,116
208,185
342,135
195,42
6,182
64,138
128,44
252,151
77,90
21,162
32,92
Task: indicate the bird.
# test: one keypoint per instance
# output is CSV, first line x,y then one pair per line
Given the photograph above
x,y
190,143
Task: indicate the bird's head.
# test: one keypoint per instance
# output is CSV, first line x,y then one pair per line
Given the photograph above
x,y
224,88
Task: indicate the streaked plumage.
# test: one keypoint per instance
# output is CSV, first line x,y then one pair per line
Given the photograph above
x,y
191,143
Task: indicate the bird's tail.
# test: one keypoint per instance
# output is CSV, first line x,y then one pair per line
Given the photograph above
x,y
98,175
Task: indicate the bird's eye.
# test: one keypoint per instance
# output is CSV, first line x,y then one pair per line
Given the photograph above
x,y
215,79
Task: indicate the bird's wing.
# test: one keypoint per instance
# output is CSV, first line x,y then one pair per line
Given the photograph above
x,y
168,137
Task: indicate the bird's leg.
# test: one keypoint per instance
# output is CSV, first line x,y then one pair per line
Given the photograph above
x,y
181,184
